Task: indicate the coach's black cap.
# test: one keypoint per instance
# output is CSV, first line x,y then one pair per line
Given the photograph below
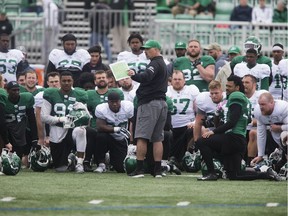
x,y
113,96
69,37
12,84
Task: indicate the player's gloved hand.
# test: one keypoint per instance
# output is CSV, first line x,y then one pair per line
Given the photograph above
x,y
79,105
62,119
196,62
35,145
123,131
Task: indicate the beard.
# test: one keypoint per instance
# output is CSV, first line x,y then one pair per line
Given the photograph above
x,y
193,55
102,85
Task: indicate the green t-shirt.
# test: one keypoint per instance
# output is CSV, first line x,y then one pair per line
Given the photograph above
x,y
3,97
23,89
238,98
192,75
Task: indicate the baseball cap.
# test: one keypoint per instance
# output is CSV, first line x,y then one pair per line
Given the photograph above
x,y
213,46
180,45
234,49
68,37
12,84
113,96
151,44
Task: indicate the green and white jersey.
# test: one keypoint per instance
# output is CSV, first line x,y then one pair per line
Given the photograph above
x,y
260,71
55,105
34,93
77,60
135,62
283,67
16,118
94,99
238,98
278,116
3,97
260,60
192,75
119,119
9,62
205,105
183,110
275,87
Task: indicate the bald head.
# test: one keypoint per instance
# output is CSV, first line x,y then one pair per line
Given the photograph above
x,y
266,103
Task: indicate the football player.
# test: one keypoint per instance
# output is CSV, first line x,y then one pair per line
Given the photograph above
x,y
254,43
198,70
183,113
72,59
96,97
136,59
4,142
276,86
96,60
31,83
206,103
19,113
53,81
113,134
11,60
56,105
272,113
229,139
260,71
283,68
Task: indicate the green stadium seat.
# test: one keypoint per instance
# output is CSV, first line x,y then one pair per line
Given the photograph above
x,y
184,17
222,17
203,17
224,8
164,16
162,7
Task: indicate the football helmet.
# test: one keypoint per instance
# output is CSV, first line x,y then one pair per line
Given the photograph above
x,y
275,156
39,159
130,164
219,169
77,118
284,171
192,162
11,163
253,42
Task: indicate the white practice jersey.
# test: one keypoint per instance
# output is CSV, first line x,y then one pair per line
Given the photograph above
x,y
275,87
77,60
130,95
278,116
9,62
254,99
135,62
119,119
283,68
260,71
183,109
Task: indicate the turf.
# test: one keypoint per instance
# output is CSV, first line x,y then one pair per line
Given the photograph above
x,y
51,193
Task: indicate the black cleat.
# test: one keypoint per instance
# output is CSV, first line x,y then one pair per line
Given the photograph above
x,y
174,169
273,175
137,174
209,177
87,167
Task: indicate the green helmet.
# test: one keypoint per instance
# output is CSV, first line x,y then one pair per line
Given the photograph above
x,y
217,166
284,172
254,43
11,163
39,159
130,164
77,118
275,156
192,162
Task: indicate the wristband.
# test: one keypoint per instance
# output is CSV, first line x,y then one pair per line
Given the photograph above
x,y
116,129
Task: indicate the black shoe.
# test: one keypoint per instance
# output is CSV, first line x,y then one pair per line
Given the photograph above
x,y
273,175
72,162
209,177
174,169
87,167
159,174
137,174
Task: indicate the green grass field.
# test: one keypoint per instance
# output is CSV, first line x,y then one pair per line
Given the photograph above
x,y
51,193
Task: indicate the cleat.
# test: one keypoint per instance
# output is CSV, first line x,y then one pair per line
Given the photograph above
x,y
137,174
174,169
273,175
209,177
79,168
87,167
101,168
71,162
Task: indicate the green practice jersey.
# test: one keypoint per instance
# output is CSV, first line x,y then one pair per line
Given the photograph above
x,y
192,75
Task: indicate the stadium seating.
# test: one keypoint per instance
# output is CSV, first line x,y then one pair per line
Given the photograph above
x,y
162,7
224,7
